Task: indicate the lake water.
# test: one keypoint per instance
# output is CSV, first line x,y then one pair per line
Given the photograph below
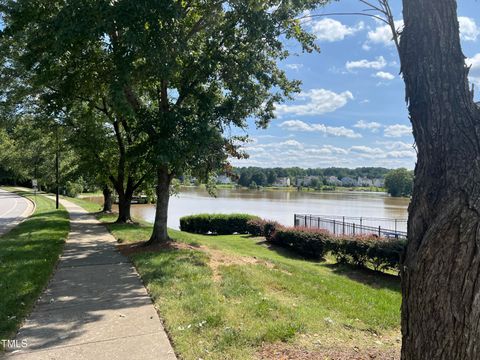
x,y
279,205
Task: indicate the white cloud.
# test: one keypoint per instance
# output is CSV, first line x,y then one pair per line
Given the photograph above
x,y
397,130
378,153
333,30
316,102
366,150
384,75
293,153
402,154
469,30
378,63
474,62
336,150
295,67
372,126
396,145
341,131
291,143
382,34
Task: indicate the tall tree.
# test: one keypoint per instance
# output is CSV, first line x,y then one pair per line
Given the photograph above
x,y
174,76
441,271
59,62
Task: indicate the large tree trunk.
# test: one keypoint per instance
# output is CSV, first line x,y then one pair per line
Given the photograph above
x,y
124,206
107,199
160,233
441,269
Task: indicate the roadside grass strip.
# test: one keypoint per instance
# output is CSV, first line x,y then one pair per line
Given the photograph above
x,y
28,255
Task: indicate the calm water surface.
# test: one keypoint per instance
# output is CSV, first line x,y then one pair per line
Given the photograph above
x,y
278,205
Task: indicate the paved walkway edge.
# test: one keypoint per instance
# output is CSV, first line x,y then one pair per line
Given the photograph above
x,y
95,305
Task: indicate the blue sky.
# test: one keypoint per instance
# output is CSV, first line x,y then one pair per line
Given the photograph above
x,y
351,111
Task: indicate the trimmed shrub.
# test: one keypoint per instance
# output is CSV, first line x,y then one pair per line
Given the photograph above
x,y
220,224
306,242
270,228
366,251
387,254
353,251
379,253
256,227
261,227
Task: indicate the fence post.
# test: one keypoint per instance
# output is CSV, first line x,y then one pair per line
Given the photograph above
x,y
334,227
379,231
343,231
353,228
305,220
361,221
395,226
318,227
295,220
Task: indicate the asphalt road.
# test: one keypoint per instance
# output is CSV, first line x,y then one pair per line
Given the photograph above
x,y
13,209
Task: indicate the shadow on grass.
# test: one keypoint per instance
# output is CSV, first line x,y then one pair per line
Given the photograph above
x,y
372,278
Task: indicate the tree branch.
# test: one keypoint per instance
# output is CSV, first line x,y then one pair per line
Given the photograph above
x,y
343,14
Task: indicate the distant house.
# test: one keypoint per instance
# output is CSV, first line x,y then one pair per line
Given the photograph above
x,y
363,181
282,182
348,181
379,182
306,180
224,179
333,181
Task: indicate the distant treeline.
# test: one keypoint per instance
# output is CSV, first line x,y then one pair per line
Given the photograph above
x,y
245,176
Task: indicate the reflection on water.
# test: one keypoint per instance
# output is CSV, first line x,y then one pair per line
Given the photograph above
x,y
278,205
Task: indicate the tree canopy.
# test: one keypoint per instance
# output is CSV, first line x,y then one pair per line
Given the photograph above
x,y
399,182
175,80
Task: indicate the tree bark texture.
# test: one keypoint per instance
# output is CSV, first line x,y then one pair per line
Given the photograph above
x,y
160,228
107,199
124,206
441,268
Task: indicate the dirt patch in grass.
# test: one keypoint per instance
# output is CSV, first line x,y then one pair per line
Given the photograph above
x,y
217,258
281,351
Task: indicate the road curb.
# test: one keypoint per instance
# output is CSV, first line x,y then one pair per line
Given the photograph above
x,y
29,211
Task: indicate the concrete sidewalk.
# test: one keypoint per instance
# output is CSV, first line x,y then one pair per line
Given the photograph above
x,y
95,306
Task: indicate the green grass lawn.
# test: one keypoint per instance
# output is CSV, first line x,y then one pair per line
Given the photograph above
x,y
227,297
28,254
87,205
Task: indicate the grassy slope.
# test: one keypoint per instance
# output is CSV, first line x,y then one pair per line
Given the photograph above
x,y
28,254
87,205
306,304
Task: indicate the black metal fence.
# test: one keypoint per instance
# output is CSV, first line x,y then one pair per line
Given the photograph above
x,y
345,225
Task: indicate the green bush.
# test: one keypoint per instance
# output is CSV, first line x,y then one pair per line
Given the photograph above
x,y
309,243
256,227
366,251
387,254
220,224
379,253
73,189
261,227
350,250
